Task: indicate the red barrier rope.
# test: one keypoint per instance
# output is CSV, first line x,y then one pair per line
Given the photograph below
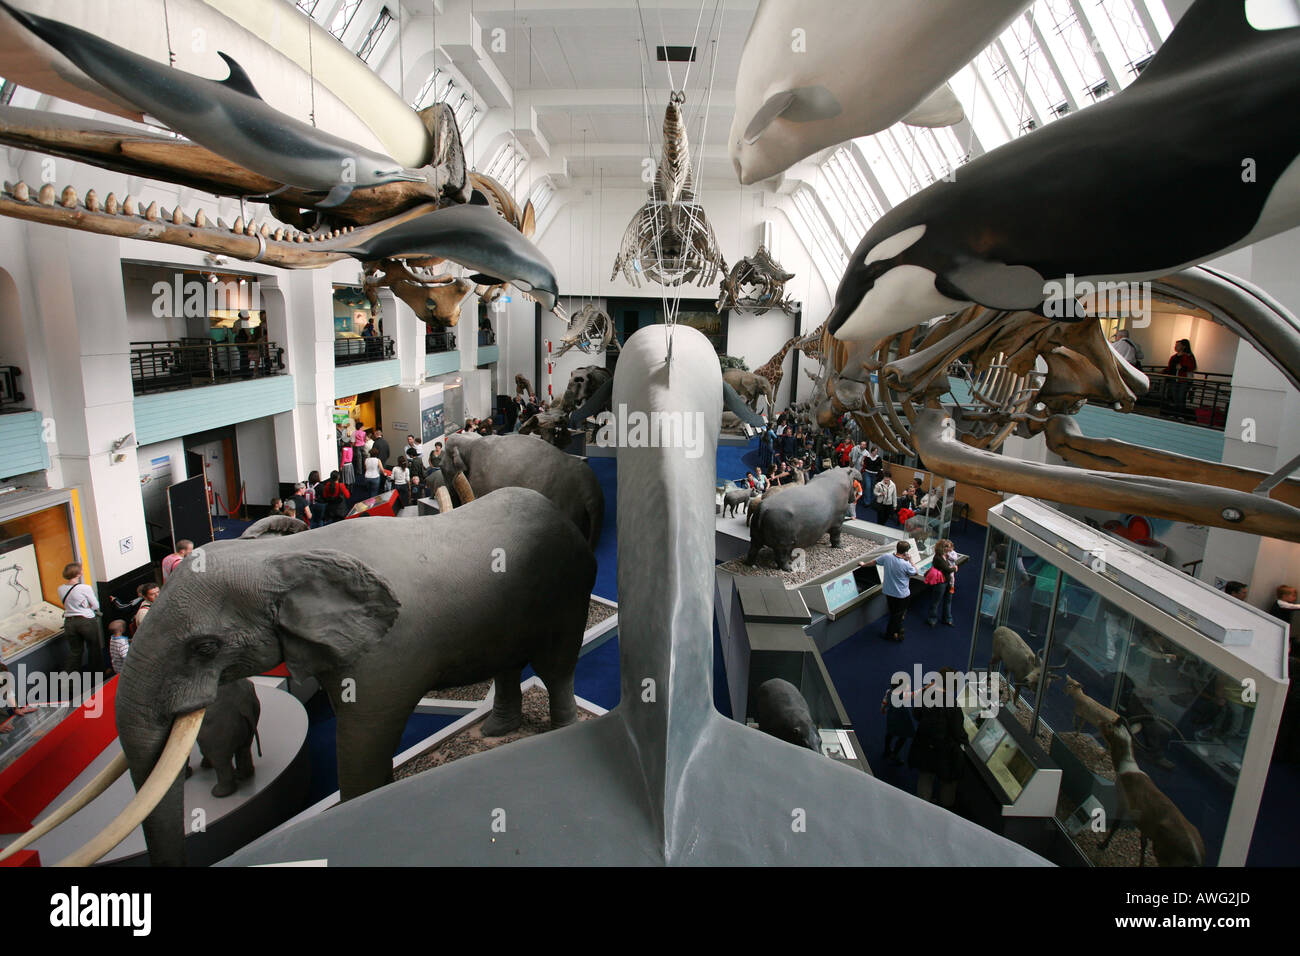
x,y
230,512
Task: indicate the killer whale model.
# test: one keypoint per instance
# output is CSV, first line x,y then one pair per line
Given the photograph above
x,y
814,75
473,236
227,116
1203,145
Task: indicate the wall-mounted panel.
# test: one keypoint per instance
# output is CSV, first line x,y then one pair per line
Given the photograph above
x,y
440,363
367,377
172,414
21,438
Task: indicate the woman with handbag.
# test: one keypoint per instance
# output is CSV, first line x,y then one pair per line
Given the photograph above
x,y
943,576
80,621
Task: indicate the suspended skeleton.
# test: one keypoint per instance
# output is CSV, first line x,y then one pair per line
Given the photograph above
x,y
590,330
756,282
398,226
1028,374
669,240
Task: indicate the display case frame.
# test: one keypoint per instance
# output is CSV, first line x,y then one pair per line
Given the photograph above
x,y
1202,623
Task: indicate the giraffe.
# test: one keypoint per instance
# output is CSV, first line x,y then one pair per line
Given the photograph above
x,y
773,369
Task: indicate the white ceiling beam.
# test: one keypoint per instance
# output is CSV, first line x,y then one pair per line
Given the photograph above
x,y
460,37
617,101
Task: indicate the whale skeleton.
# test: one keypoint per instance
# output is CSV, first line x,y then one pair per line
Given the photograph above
x,y
1028,374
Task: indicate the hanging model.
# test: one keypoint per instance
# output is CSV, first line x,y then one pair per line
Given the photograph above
x,y
757,282
669,240
397,222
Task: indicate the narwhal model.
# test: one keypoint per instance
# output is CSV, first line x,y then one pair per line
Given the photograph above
x,y
669,240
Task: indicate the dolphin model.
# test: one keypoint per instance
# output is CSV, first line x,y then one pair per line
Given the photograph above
x,y
1197,157
226,116
473,236
815,75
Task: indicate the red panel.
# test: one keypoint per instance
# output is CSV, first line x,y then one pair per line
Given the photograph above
x,y
32,781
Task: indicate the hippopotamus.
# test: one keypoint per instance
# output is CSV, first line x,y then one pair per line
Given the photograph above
x,y
782,712
799,516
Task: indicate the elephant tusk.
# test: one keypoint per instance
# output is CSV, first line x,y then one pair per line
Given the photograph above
x,y
461,484
443,497
176,753
102,781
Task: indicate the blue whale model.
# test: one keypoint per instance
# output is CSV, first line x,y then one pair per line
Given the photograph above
x,y
473,236
1197,157
226,116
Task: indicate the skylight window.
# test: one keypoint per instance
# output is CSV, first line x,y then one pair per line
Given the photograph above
x,y
374,34
343,19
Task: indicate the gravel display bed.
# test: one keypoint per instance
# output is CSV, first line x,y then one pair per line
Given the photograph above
x,y
470,741
821,559
597,612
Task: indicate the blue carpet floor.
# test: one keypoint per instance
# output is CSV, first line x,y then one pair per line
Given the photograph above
x,y
860,667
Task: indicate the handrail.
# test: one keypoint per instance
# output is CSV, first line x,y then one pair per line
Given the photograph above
x,y
440,340
364,348
173,364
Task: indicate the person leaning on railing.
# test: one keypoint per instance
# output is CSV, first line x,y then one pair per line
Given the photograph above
x,y
1180,368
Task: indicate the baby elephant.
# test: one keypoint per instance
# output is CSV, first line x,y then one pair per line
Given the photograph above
x,y
735,498
783,713
226,736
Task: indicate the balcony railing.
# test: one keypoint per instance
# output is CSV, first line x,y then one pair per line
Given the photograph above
x,y
192,363
487,337
365,348
1199,399
443,340
11,399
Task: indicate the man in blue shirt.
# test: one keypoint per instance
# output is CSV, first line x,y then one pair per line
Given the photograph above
x,y
896,572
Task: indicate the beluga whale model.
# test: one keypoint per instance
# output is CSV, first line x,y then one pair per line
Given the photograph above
x,y
226,116
814,75
1202,149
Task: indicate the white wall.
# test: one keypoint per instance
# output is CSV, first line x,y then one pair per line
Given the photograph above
x,y
258,467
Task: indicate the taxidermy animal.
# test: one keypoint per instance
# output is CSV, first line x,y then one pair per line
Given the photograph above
x,y
584,382
736,498
812,77
1172,836
273,525
380,612
1226,175
749,386
669,240
686,760
226,116
1021,662
227,733
800,516
490,462
782,712
1087,710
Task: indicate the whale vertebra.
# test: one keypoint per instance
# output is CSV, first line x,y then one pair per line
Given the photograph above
x,y
1220,171
226,116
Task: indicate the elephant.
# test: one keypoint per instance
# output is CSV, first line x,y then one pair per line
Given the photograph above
x,y
735,498
550,426
749,385
490,462
782,712
273,525
380,612
227,733
799,516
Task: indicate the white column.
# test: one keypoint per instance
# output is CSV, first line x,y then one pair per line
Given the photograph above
x,y
77,278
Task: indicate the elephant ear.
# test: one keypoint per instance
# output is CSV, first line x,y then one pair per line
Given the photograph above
x,y
331,609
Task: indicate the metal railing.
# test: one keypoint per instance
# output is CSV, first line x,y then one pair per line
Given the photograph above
x,y
487,337
365,348
443,340
10,396
1200,398
192,363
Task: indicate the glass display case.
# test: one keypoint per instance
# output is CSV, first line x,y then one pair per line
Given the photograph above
x,y
1096,635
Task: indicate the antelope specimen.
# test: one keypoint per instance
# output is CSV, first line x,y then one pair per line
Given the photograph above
x,y
1024,666
1087,710
1175,841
